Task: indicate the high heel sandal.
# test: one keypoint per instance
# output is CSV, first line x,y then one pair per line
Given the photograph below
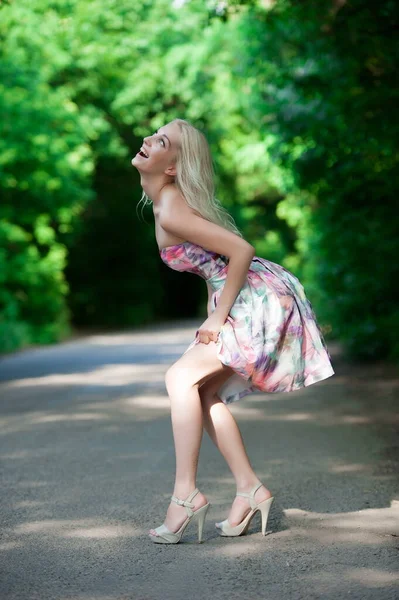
x,y
225,529
168,537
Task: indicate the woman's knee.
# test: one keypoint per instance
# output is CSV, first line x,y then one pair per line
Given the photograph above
x,y
197,367
180,376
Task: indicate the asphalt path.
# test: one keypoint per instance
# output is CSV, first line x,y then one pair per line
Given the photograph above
x,y
87,467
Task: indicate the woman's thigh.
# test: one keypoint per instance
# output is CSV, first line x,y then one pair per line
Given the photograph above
x,y
197,366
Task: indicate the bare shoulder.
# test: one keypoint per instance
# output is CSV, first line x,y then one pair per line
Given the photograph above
x,y
173,203
172,200
180,220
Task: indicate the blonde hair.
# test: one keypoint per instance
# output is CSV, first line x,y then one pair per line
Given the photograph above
x,y
195,177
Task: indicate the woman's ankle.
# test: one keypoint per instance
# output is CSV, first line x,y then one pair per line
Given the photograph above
x,y
183,490
244,485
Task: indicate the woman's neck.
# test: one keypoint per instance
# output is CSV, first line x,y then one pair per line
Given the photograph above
x,y
152,185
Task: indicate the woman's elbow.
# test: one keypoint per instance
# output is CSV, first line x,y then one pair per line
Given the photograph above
x,y
251,250
245,254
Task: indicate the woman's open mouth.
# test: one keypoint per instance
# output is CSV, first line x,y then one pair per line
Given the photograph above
x,y
143,153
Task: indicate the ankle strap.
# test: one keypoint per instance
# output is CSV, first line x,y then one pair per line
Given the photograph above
x,y
251,494
189,505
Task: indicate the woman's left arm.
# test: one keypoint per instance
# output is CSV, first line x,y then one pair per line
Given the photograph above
x,y
176,218
237,272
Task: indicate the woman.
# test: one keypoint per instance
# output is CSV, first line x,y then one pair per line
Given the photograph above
x,y
261,333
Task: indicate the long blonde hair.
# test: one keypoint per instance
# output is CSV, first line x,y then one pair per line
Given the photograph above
x,y
195,177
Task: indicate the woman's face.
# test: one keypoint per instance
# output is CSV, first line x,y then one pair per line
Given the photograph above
x,y
158,153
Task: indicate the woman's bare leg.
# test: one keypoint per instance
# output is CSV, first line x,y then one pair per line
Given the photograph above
x,y
222,428
183,380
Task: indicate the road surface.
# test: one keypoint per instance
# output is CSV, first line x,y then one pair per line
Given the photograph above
x,y
87,466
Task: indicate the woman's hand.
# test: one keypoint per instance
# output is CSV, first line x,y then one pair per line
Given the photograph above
x,y
209,330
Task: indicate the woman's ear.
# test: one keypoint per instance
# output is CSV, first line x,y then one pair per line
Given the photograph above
x,y
171,170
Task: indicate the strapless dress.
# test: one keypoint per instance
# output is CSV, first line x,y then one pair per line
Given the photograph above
x,y
271,338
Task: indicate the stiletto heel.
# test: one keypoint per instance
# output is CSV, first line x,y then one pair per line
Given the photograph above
x,y
201,512
168,537
225,529
264,510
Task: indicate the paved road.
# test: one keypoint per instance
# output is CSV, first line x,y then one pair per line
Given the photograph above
x,y
88,463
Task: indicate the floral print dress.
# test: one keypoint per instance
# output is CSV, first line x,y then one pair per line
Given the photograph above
x,y
271,338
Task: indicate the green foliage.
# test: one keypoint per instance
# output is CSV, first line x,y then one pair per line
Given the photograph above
x,y
298,104
320,82
45,165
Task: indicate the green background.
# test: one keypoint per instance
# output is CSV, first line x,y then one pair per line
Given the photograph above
x,y
299,103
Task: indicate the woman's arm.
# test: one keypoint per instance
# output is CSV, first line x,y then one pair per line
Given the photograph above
x,y
176,217
237,272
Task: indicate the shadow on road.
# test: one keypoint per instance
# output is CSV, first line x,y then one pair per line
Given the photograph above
x,y
88,464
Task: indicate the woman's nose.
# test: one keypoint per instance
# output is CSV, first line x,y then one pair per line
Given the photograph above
x,y
147,139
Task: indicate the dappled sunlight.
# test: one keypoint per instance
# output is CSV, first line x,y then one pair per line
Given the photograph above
x,y
366,577
28,504
299,416
324,417
102,532
355,420
248,412
268,397
351,468
115,396
346,527
151,402
30,419
371,577
21,454
364,528
130,404
6,546
140,407
108,375
101,394
77,528
69,417
244,546
151,337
